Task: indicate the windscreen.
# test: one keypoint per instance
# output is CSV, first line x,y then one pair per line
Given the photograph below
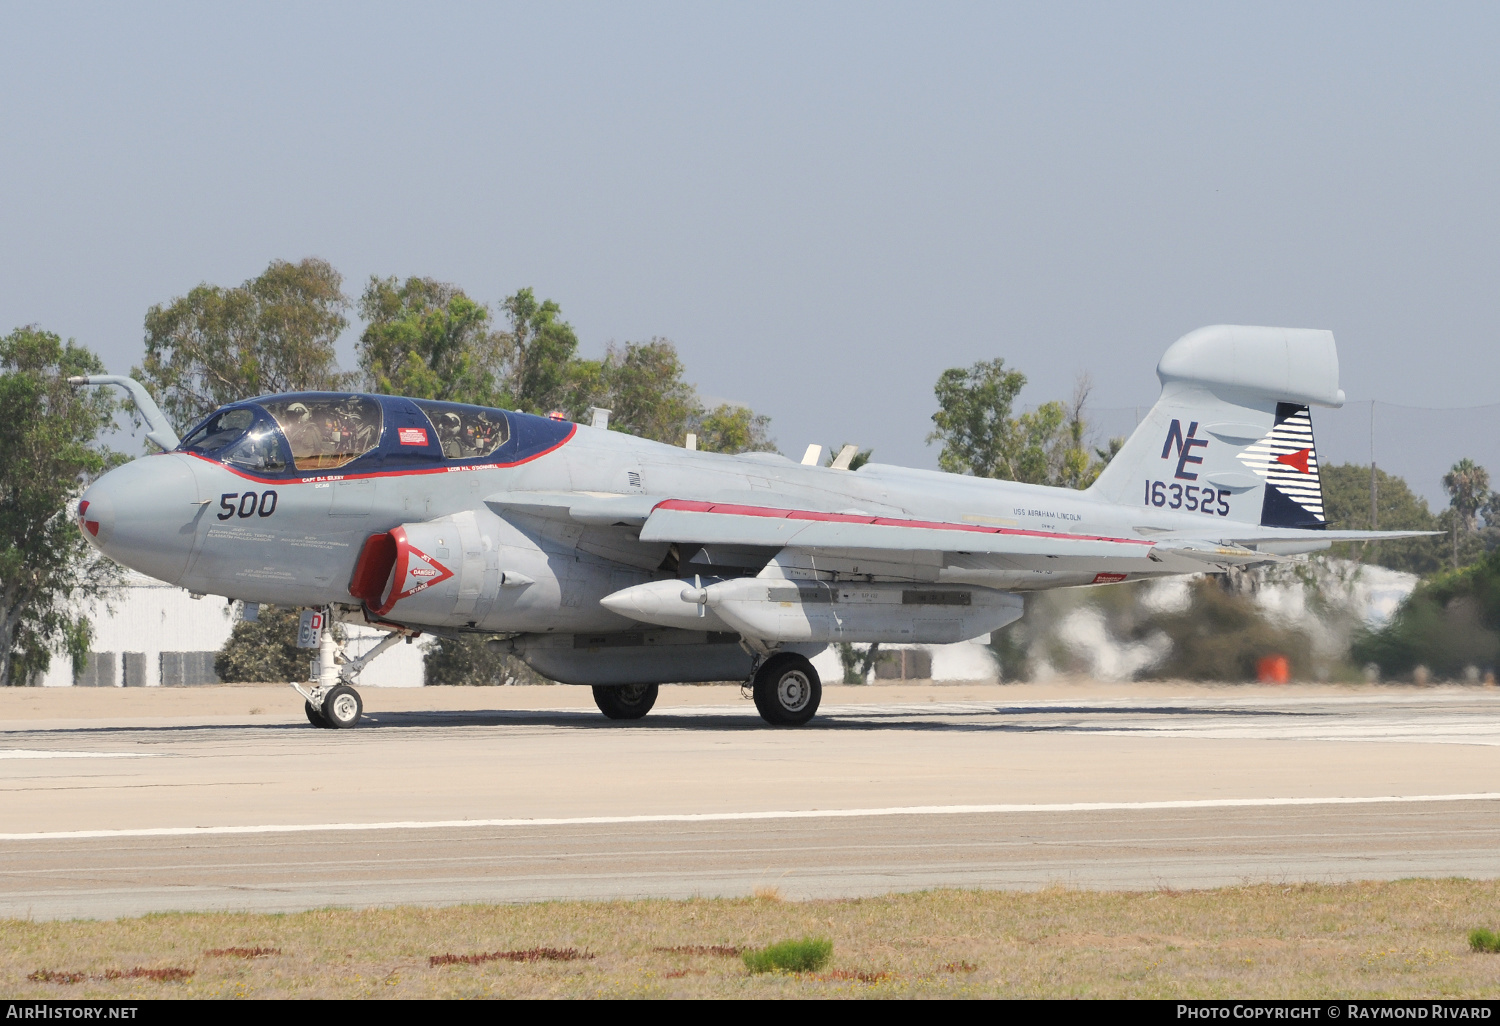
x,y
219,430
327,431
465,432
242,436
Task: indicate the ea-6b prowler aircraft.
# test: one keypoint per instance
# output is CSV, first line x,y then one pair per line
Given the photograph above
x,y
608,560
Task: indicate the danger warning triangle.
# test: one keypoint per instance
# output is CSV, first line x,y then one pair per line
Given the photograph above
x,y
422,571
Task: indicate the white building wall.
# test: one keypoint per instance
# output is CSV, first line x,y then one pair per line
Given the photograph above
x,y
151,617
966,661
399,666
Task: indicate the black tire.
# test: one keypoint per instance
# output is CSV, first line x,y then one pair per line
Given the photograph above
x,y
625,701
342,707
313,716
787,690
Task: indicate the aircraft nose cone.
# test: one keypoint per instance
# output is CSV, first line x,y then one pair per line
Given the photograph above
x,y
96,516
144,515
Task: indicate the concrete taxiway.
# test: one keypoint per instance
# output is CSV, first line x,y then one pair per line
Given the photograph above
x,y
118,803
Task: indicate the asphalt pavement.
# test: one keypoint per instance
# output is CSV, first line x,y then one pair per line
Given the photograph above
x,y
124,804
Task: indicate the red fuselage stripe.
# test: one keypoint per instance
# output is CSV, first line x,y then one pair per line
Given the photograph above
x,y
731,509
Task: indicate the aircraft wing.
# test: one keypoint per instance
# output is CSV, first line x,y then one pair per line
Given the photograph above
x,y
663,519
719,523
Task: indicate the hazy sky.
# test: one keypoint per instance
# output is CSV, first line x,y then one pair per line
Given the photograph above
x,y
823,205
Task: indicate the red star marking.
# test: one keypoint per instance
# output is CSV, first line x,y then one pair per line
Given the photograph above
x,y
1296,460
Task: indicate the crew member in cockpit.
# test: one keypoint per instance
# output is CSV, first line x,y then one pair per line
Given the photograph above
x,y
301,432
450,435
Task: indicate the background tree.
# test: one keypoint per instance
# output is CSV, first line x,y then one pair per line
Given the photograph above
x,y
539,351
264,650
1046,445
642,383
1346,505
274,333
1450,622
470,661
48,449
1074,464
428,340
1468,486
733,429
973,420
861,457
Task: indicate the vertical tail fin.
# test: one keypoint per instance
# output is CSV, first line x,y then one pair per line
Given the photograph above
x,y
1231,435
1287,459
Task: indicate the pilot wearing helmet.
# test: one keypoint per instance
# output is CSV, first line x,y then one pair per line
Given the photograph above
x,y
449,431
301,432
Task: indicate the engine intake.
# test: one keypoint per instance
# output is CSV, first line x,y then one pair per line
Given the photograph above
x,y
434,571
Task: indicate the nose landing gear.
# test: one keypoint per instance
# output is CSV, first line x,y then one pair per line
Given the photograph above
x,y
330,701
341,707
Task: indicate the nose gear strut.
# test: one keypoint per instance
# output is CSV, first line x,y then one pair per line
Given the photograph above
x,y
331,700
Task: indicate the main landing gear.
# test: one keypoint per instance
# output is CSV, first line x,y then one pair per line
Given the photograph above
x,y
625,701
786,687
787,690
329,700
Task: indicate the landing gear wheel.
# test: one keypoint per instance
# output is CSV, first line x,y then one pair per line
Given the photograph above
x,y
341,707
787,690
313,716
625,701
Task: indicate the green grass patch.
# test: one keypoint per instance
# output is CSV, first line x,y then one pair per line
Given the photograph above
x,y
807,955
1484,940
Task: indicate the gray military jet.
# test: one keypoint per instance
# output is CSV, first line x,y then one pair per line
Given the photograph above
x,y
607,560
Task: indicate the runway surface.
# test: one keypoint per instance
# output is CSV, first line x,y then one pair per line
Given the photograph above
x,y
152,803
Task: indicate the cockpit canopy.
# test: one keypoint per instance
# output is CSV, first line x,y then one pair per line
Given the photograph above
x,y
327,432
465,432
322,431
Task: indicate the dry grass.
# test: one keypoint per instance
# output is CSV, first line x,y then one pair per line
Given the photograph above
x,y
528,955
1404,939
241,952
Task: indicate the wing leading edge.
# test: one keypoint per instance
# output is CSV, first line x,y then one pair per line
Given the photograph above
x,y
684,520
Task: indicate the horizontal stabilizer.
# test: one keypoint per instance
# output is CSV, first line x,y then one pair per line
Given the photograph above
x,y
1249,534
1217,553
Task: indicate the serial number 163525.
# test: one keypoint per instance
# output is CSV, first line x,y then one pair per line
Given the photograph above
x,y
1193,498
